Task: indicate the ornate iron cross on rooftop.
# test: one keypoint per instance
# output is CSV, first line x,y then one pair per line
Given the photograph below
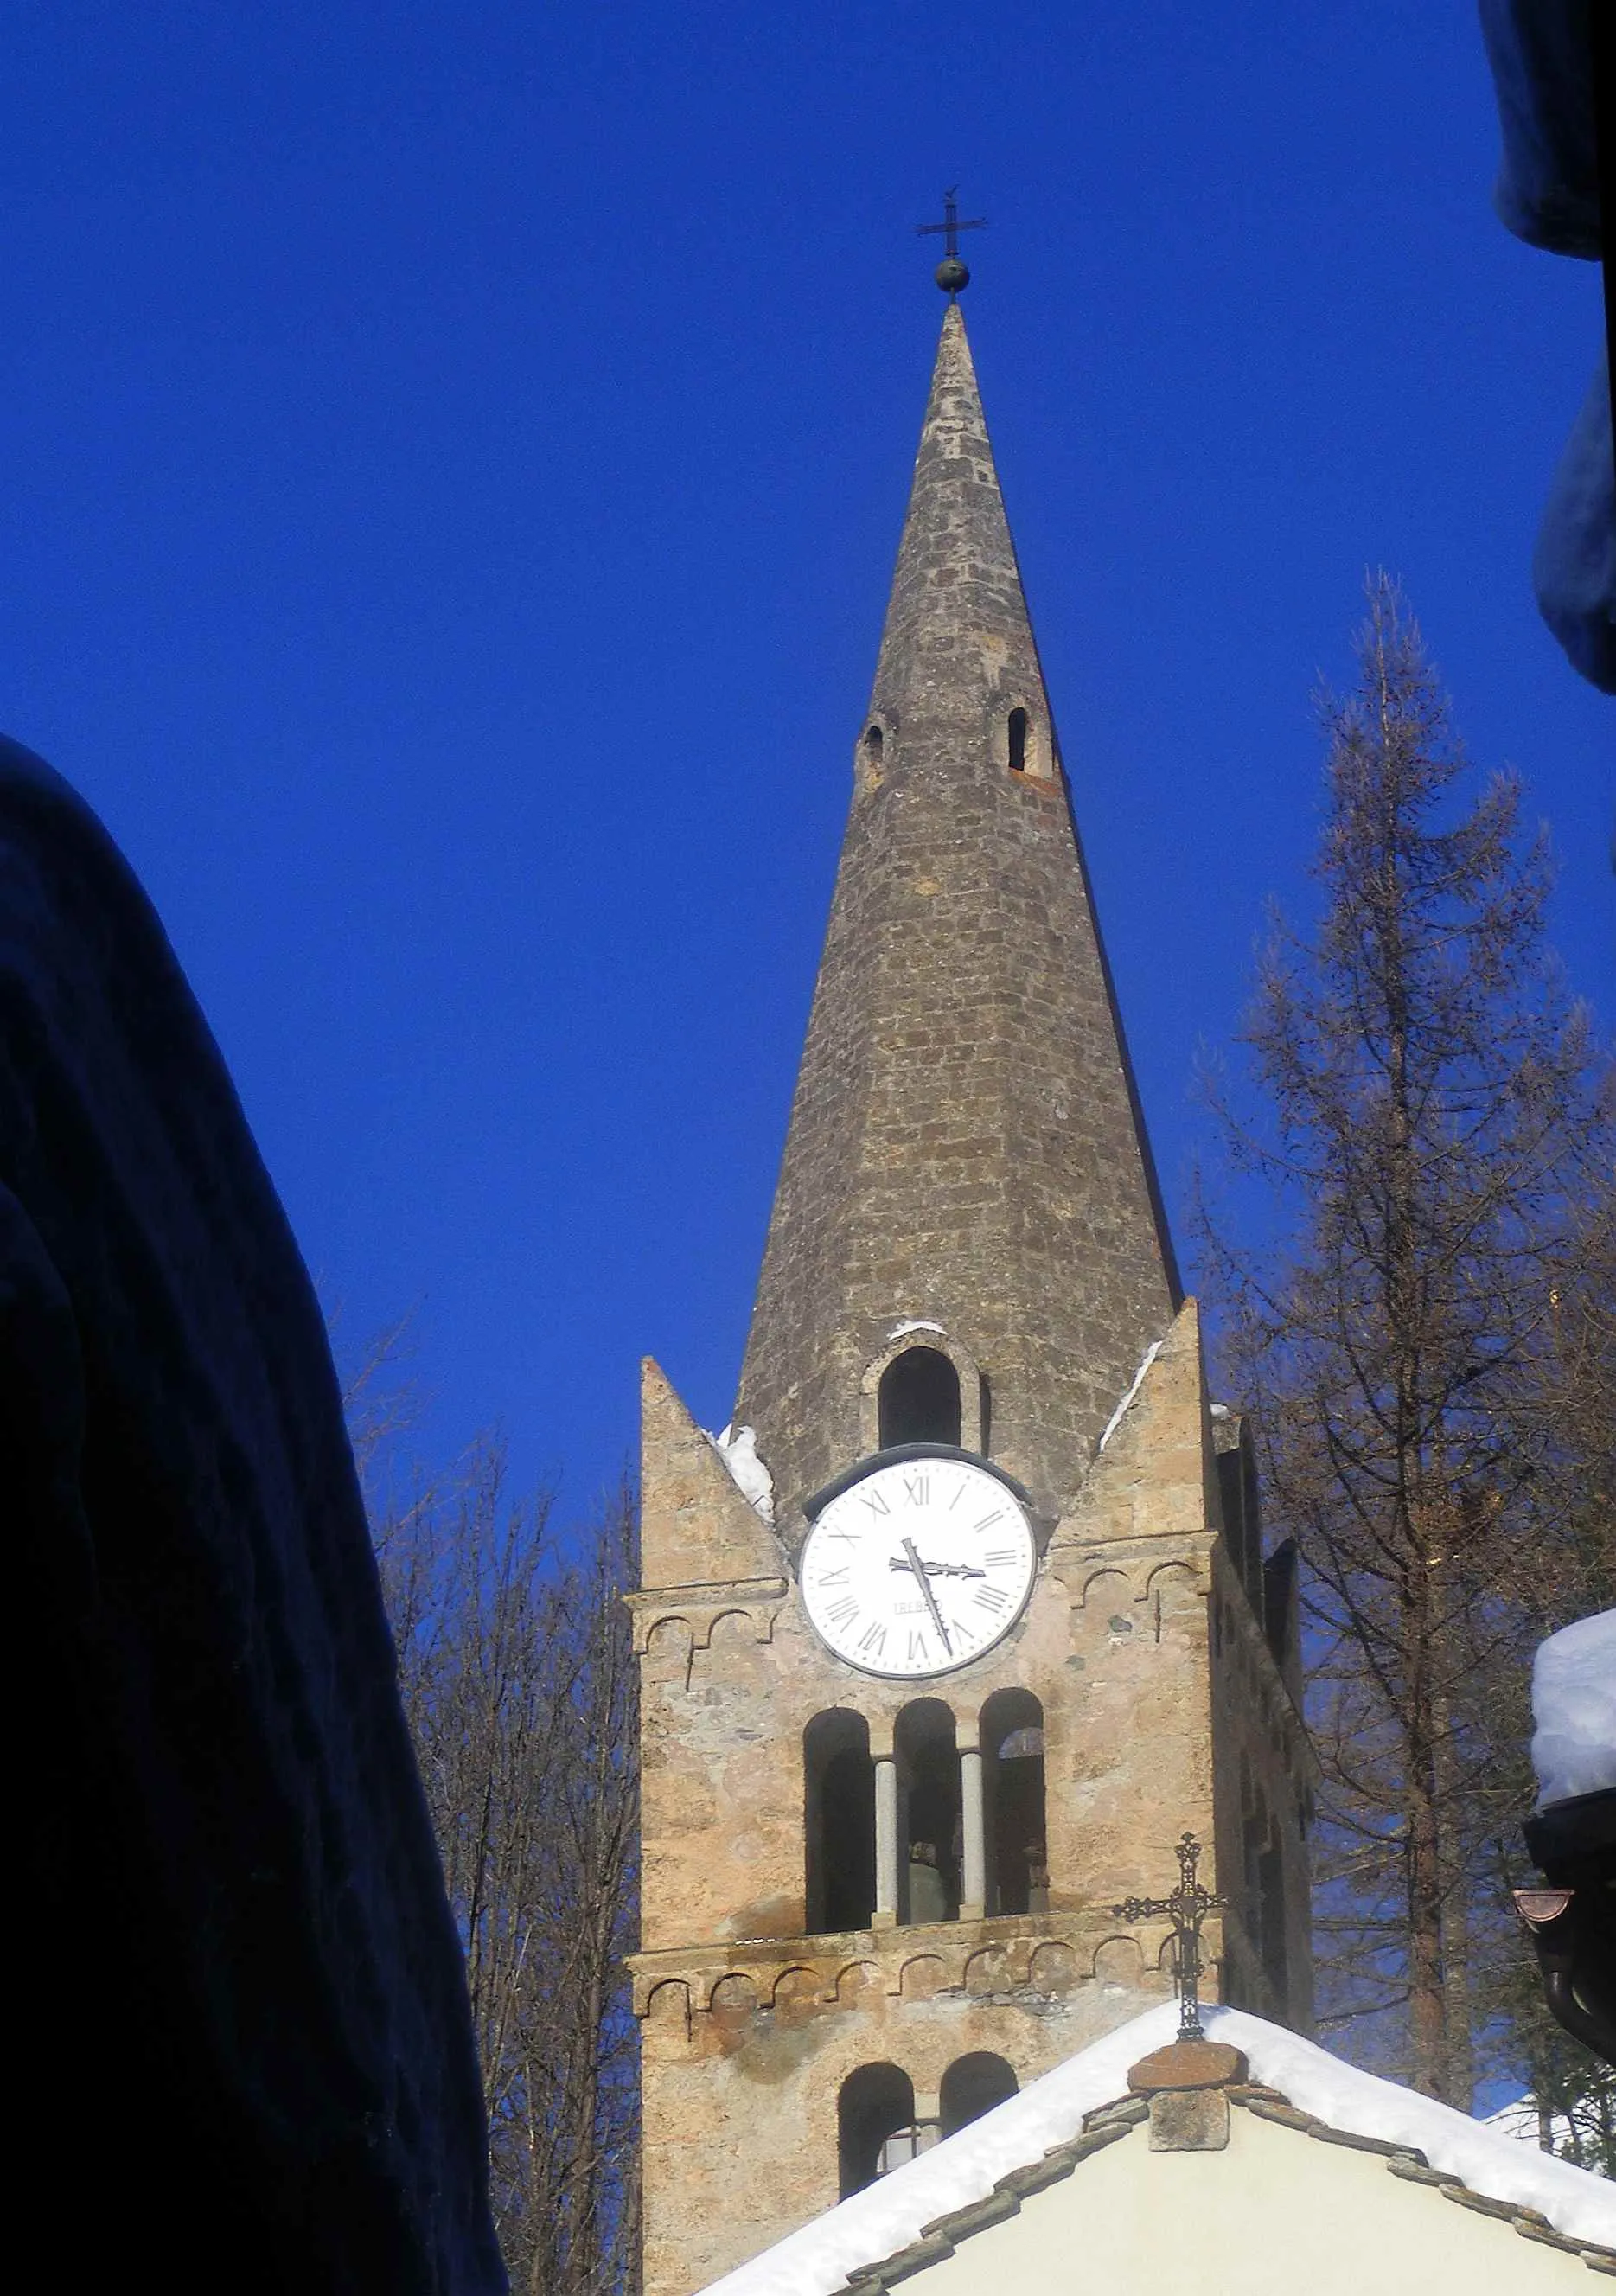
x,y
1186,1907
951,271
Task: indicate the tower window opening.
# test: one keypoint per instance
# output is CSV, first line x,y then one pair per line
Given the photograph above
x,y
1018,741
874,741
839,1822
1014,1794
930,1814
919,1400
1263,1860
875,2106
972,2086
1276,1958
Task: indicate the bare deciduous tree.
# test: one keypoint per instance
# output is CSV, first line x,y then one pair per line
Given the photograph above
x,y
519,1683
1427,1141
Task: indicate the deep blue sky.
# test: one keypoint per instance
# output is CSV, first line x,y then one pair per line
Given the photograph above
x,y
453,457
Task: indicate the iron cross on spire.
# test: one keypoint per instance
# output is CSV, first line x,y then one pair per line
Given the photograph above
x,y
951,271
1187,1907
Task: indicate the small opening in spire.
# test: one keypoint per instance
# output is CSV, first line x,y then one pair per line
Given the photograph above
x,y
874,741
920,1399
1018,741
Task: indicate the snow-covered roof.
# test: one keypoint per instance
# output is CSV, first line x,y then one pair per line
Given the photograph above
x,y
890,2214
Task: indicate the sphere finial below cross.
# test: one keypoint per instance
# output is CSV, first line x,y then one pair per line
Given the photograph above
x,y
951,273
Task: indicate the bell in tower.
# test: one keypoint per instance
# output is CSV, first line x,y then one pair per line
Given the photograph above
x,y
967,1624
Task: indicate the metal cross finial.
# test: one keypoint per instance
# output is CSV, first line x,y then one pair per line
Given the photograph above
x,y
951,271
1186,1907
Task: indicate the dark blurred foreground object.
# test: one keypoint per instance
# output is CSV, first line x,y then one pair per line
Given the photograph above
x,y
1572,1838
1558,111
237,2038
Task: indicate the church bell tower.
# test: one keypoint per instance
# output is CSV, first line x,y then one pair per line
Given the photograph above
x,y
966,1620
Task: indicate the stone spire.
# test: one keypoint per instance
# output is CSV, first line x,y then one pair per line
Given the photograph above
x,y
966,1145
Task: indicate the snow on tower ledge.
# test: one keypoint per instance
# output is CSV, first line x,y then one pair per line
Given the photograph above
x,y
858,2236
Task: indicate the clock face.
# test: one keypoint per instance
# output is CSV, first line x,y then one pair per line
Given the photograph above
x,y
918,1567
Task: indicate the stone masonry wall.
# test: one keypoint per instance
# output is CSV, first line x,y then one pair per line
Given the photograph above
x,y
749,2026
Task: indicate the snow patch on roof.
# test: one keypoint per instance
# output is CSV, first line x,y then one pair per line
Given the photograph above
x,y
1521,2119
737,1447
875,2223
1574,1708
1115,1421
901,1330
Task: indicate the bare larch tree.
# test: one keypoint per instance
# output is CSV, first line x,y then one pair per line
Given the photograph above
x,y
1420,1145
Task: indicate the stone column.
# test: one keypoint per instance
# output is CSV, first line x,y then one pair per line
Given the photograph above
x,y
974,1878
886,1843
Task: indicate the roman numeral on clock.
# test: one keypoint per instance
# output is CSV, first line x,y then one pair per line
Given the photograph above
x,y
992,1599
919,1648
999,1556
874,1502
989,1521
917,1489
872,1642
837,1578
842,1613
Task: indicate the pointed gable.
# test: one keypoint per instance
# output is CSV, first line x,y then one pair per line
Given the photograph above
x,y
699,1529
1322,2178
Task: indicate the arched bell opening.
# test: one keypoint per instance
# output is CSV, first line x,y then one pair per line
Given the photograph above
x,y
874,2111
839,1822
930,1812
972,2086
919,1400
1011,1729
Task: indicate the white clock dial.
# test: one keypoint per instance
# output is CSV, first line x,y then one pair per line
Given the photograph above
x,y
918,1567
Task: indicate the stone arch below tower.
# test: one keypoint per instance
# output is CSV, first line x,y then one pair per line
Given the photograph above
x,y
875,2103
974,2085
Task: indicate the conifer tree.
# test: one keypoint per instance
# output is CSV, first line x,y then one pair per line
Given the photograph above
x,y
1422,1141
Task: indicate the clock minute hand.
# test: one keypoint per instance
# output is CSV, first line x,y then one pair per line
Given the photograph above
x,y
924,1584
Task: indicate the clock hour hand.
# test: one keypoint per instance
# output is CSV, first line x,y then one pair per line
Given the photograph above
x,y
924,1584
942,1569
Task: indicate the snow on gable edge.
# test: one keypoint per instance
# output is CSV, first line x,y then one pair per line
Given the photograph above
x,y
1118,1415
820,2257
737,1447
